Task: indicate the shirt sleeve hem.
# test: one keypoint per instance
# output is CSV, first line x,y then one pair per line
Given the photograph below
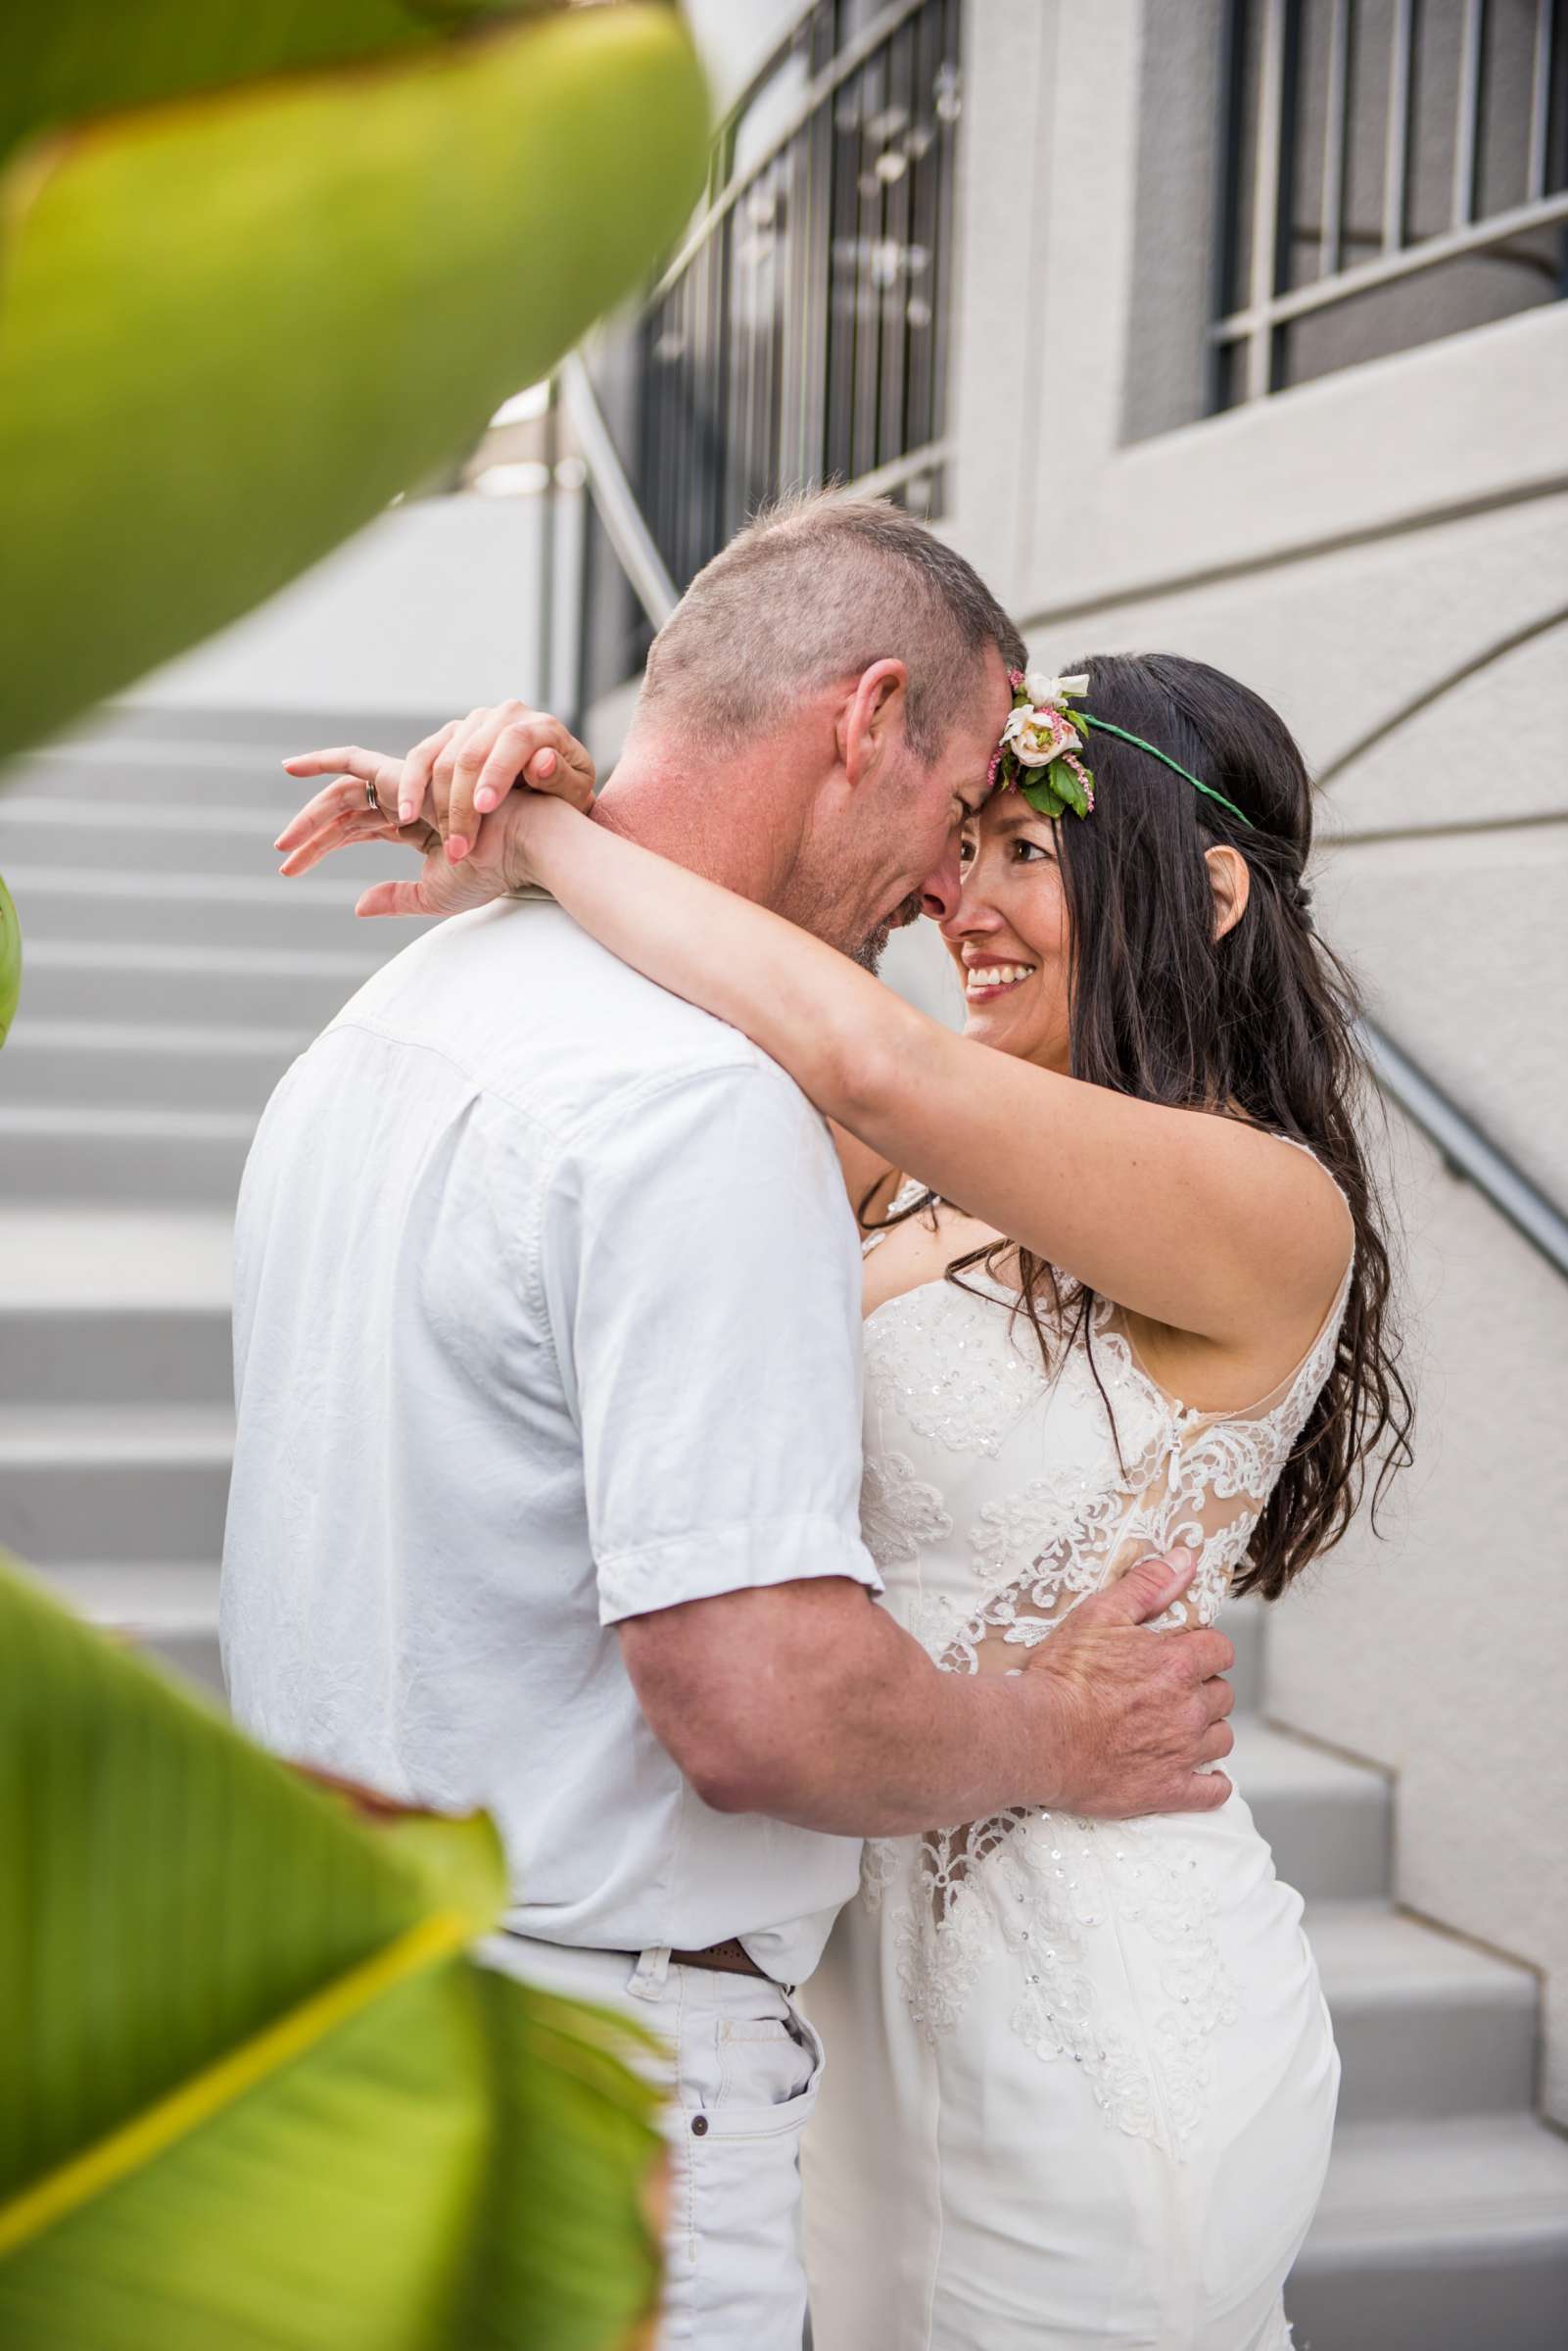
x,y
740,1558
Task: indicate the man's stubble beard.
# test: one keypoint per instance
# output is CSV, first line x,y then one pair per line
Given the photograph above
x,y
871,948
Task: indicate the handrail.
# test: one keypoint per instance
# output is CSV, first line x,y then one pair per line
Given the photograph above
x,y
838,69
1467,1152
628,535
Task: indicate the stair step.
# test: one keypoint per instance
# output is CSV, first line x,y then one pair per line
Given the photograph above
x,y
129,1482
1448,2237
115,1308
1244,1620
53,1153
112,1065
159,983
1327,1819
200,776
1429,2028
227,838
101,909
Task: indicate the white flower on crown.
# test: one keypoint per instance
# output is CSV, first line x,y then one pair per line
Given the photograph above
x,y
1042,688
1035,736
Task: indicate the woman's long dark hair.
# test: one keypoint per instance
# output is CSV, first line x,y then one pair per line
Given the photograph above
x,y
1259,1024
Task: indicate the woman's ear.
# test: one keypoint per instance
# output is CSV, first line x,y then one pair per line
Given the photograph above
x,y
1231,880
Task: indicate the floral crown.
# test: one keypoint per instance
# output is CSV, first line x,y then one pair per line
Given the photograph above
x,y
1043,737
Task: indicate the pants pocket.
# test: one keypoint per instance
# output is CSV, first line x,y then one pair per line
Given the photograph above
x,y
767,2073
748,2097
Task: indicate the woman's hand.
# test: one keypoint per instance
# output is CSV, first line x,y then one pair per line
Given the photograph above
x,y
470,764
341,815
466,769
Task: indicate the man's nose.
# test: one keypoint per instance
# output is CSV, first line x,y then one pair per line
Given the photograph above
x,y
942,889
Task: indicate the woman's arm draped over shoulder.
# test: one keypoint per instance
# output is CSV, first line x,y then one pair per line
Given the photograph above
x,y
1197,1222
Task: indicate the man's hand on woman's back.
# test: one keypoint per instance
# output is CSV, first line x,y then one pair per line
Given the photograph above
x,y
1139,1714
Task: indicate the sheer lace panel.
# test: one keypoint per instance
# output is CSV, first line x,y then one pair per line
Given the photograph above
x,y
1183,1475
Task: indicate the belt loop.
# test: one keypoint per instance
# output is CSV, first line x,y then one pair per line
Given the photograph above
x,y
648,1975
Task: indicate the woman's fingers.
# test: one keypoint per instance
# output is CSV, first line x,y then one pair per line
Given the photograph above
x,y
341,833
464,762
355,768
441,889
328,810
393,897
415,781
546,755
495,750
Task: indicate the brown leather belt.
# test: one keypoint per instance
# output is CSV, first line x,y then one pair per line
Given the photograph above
x,y
730,1958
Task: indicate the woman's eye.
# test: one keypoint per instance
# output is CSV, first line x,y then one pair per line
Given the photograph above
x,y
1027,850
965,852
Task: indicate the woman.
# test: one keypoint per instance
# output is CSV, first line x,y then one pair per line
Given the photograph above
x,y
1124,1288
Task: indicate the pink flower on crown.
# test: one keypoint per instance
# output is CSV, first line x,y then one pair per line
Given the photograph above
x,y
1084,777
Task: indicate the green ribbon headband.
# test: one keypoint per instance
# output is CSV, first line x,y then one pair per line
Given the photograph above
x,y
1103,726
1173,765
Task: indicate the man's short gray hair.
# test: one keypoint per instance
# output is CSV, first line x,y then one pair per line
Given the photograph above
x,y
814,589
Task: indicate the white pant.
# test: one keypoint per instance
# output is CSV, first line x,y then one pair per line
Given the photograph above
x,y
742,2082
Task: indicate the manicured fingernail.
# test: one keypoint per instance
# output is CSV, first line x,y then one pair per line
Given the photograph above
x,y
544,764
457,849
406,812
485,800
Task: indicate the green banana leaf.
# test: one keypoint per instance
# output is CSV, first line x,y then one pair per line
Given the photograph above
x,y
10,961
283,263
61,63
254,2096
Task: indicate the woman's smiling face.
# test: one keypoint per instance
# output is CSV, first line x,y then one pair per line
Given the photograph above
x,y
1009,936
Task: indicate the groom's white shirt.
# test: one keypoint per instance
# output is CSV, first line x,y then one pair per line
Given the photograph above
x,y
546,1314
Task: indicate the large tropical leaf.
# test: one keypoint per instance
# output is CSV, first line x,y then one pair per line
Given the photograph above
x,y
86,57
237,315
252,2092
10,961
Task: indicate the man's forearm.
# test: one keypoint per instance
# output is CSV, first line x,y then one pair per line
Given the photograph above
x,y
806,1702
890,1745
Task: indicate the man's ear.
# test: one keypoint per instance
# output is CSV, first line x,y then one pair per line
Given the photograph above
x,y
1230,879
871,722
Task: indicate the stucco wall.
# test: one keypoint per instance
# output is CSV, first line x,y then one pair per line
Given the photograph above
x,y
1350,548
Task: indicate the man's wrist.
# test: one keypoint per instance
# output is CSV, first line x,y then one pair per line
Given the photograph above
x,y
1041,1693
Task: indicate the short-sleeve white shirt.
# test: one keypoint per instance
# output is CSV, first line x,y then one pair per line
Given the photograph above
x,y
546,1315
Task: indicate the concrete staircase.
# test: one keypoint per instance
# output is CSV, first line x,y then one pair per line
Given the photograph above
x,y
170,979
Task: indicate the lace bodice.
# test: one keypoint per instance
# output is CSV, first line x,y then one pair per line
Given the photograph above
x,y
997,1495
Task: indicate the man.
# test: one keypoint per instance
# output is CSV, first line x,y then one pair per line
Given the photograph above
x,y
548,1343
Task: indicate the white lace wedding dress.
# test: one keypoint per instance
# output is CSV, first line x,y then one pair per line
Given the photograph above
x,y
1081,2079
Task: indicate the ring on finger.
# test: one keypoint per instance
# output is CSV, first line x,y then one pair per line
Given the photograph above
x,y
370,796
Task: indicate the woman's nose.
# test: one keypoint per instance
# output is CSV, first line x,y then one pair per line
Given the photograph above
x,y
968,916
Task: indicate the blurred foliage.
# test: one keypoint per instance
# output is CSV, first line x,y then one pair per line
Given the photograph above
x,y
10,961
261,266
252,2093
